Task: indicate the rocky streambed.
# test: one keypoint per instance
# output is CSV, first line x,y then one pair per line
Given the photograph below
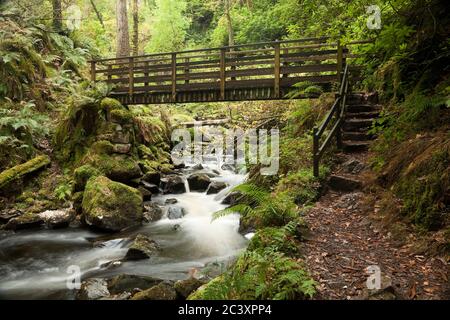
x,y
175,250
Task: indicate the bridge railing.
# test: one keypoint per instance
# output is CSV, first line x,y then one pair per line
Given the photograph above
x,y
274,66
334,117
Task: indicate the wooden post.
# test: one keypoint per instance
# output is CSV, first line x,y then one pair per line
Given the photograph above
x,y
222,74
174,76
277,70
234,63
315,152
285,64
146,73
339,61
109,72
339,133
186,71
131,77
93,74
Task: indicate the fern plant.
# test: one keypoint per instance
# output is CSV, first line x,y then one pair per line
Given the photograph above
x,y
260,206
19,124
261,275
305,88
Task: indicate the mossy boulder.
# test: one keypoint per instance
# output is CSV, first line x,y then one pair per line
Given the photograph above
x,y
202,293
142,248
102,147
130,282
109,104
121,116
152,212
162,291
117,167
25,221
185,287
23,169
110,205
93,289
82,175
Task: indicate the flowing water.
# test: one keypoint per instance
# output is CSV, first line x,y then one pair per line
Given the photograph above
x,y
38,263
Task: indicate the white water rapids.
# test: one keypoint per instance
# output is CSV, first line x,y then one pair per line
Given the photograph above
x,y
36,263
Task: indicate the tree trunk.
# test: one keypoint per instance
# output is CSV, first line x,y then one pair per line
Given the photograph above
x,y
229,22
123,37
57,15
99,15
135,27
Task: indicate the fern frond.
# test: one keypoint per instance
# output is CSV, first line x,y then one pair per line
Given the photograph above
x,y
243,209
252,192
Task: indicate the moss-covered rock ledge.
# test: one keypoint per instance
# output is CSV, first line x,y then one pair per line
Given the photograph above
x,y
111,206
23,169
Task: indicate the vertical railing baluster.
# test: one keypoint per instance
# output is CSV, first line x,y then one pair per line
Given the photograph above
x,y
285,64
186,70
109,73
222,74
131,77
339,61
146,74
93,73
277,70
233,64
174,77
315,152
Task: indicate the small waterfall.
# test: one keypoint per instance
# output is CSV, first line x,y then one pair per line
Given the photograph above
x,y
186,185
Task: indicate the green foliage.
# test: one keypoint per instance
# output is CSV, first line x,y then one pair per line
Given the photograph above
x,y
303,187
272,239
20,126
21,170
20,66
261,275
169,26
63,191
306,89
263,208
417,113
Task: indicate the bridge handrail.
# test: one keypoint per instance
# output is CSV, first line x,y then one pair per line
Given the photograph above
x,y
338,108
213,49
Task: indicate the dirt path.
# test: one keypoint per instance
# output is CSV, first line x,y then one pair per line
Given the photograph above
x,y
344,241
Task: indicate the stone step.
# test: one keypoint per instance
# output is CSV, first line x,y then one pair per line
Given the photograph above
x,y
356,136
352,108
343,183
362,97
355,146
362,115
357,124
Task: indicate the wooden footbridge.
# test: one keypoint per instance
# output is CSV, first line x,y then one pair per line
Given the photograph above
x,y
261,71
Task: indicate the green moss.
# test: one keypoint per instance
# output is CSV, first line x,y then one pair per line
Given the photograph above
x,y
102,147
83,174
117,166
302,185
423,191
21,170
76,131
111,205
260,275
121,116
275,239
110,104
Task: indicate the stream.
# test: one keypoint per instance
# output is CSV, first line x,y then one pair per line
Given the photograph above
x,y
36,264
